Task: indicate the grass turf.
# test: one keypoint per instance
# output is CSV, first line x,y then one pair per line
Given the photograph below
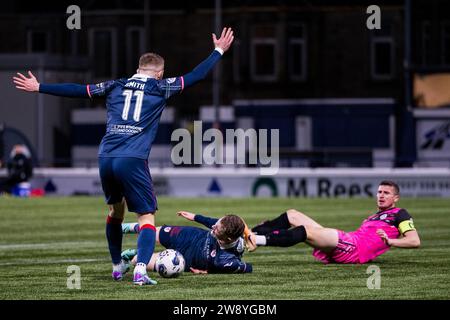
x,y
41,237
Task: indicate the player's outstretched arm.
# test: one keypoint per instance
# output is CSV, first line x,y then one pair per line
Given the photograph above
x,y
31,84
187,215
221,45
206,221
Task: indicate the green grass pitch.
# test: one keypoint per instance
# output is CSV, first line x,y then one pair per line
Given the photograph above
x,y
41,237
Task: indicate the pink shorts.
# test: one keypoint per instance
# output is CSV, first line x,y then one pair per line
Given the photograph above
x,y
346,250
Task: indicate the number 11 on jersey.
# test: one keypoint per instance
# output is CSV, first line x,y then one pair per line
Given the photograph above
x,y
137,107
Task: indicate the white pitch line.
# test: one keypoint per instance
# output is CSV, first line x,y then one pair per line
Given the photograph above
x,y
51,245
37,261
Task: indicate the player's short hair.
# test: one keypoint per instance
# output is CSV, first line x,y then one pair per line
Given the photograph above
x,y
391,184
232,227
151,60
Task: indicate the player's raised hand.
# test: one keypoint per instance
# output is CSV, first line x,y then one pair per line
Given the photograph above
x,y
27,84
225,40
187,215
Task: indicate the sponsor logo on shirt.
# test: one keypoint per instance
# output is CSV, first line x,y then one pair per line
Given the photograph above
x,y
124,129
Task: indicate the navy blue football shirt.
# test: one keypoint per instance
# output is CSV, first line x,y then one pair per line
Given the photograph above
x,y
134,107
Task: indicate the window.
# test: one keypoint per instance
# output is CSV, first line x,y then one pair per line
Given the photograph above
x,y
382,58
297,59
297,52
445,43
264,54
72,44
426,43
38,42
135,48
382,52
103,53
236,61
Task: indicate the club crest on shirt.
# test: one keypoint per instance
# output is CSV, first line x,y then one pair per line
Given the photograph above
x,y
167,229
213,253
171,80
383,216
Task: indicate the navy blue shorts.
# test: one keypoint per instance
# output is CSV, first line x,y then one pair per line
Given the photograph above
x,y
128,178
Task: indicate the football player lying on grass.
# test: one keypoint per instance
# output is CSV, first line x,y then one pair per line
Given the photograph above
x,y
388,227
218,250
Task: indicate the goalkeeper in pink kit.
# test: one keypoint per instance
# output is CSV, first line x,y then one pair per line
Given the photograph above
x,y
388,227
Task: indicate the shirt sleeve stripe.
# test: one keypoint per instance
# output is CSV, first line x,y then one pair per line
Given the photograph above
x,y
182,83
88,91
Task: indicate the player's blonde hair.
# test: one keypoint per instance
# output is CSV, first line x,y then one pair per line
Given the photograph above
x,y
232,228
151,61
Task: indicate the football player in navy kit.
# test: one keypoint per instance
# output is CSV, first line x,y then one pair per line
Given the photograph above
x,y
218,250
134,106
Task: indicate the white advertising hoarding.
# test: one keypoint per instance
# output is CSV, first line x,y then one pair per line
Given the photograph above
x,y
229,182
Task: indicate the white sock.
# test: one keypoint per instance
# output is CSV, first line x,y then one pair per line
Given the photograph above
x,y
140,268
260,240
118,267
133,227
